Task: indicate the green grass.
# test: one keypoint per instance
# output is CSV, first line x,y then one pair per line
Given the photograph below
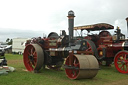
x,y
107,75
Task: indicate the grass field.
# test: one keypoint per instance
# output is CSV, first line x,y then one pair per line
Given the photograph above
x,y
105,76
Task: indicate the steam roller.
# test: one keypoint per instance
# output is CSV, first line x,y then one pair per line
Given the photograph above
x,y
51,51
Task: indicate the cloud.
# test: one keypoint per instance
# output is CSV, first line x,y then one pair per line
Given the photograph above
x,y
28,18
14,33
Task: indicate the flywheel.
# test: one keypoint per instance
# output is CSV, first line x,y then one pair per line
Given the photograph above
x,y
92,47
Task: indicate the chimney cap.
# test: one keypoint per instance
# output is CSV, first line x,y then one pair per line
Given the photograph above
x,y
127,19
71,14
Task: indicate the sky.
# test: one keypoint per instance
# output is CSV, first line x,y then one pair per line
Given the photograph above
x,y
36,18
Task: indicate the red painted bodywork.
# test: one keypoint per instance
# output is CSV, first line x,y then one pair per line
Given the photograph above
x,y
104,39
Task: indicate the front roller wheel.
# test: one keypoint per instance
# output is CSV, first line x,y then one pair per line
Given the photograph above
x,y
33,57
84,66
121,61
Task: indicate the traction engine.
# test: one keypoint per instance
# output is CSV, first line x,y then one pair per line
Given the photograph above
x,y
53,50
107,48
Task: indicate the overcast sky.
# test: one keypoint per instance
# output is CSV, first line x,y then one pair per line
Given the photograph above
x,y
33,18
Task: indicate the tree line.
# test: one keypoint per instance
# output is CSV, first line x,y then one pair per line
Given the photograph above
x,y
9,41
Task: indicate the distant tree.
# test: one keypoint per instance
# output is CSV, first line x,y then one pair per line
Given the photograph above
x,y
9,41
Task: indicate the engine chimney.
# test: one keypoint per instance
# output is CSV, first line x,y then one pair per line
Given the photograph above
x,y
70,25
127,26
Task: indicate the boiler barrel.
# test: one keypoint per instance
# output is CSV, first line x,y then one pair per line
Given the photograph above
x,y
119,46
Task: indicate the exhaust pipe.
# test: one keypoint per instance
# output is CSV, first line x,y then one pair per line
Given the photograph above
x,y
70,25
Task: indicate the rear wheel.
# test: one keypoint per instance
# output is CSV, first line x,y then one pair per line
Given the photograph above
x,y
121,61
33,57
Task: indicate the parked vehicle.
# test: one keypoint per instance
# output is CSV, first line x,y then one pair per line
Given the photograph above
x,y
18,45
2,51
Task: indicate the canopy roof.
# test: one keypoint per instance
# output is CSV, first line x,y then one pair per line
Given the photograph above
x,y
94,27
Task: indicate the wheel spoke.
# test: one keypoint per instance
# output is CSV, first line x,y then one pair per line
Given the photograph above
x,y
121,66
34,53
35,56
75,60
119,63
88,49
76,65
121,58
29,53
30,64
124,57
126,66
72,73
75,72
32,50
34,63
